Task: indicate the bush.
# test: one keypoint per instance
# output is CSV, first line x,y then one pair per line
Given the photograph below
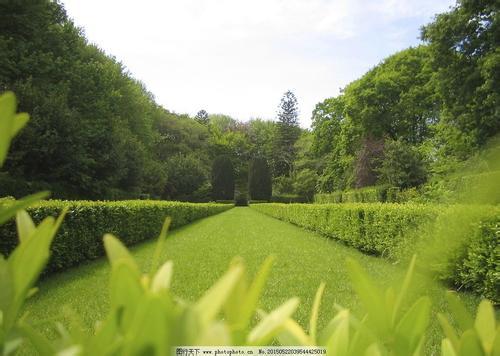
x,y
240,199
324,198
362,195
222,178
389,229
305,183
259,180
402,165
288,198
80,236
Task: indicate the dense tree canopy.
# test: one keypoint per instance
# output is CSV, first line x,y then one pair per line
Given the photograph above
x,y
421,111
97,133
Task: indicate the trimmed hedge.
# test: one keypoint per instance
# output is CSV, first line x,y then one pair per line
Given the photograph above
x,y
388,230
288,199
363,195
80,236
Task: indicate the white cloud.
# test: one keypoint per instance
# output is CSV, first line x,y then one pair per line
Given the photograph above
x,y
239,56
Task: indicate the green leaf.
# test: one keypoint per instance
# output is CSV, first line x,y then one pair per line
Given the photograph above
x,y
10,210
20,120
293,335
411,329
449,331
447,348
272,323
162,278
212,301
148,333
155,262
6,287
118,253
404,289
373,350
313,322
338,344
470,344
459,311
40,342
7,112
25,226
371,298
485,325
254,293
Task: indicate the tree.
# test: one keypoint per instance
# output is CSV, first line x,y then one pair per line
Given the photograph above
x,y
464,44
259,180
327,118
367,161
395,99
202,117
402,165
222,178
305,183
287,133
185,175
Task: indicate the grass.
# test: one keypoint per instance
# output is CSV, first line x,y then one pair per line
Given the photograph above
x,y
201,253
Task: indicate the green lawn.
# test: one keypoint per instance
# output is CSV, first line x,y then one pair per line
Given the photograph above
x,y
202,251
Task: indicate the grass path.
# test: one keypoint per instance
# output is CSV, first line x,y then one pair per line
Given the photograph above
x,y
202,251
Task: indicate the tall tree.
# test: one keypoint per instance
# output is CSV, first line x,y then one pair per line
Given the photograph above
x,y
287,134
259,180
465,48
202,117
222,178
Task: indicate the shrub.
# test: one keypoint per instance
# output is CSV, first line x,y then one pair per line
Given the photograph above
x,y
259,180
305,183
288,198
389,230
324,198
80,236
362,195
402,165
222,178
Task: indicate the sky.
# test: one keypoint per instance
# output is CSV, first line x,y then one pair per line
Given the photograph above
x,y
238,57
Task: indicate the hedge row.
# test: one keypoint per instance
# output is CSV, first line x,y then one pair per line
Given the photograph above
x,y
288,198
363,195
80,236
388,230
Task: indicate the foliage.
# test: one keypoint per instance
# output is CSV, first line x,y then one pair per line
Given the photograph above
x,y
222,179
259,180
145,317
202,117
476,336
305,183
402,165
288,198
96,132
367,161
463,43
186,175
134,221
435,105
287,133
363,195
391,230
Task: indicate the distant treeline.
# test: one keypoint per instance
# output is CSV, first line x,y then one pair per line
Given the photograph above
x,y
97,133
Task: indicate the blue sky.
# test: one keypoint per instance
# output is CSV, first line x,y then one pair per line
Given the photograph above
x,y
238,57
